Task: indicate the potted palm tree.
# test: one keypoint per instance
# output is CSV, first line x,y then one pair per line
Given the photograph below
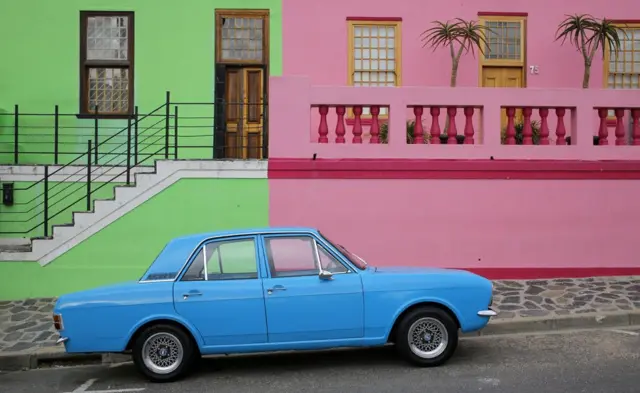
x,y
460,36
589,34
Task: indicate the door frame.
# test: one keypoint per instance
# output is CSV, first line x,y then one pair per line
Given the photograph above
x,y
220,71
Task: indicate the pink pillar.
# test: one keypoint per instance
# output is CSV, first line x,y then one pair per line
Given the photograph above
x,y
544,126
453,131
603,132
357,124
635,115
375,126
468,126
511,128
323,128
340,129
418,132
619,127
561,131
527,131
435,125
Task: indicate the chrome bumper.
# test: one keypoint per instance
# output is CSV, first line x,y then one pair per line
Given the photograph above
x,y
62,340
487,313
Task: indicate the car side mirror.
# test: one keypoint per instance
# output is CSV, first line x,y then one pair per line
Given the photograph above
x,y
325,275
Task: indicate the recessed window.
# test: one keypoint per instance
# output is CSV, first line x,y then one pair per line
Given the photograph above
x,y
106,57
622,68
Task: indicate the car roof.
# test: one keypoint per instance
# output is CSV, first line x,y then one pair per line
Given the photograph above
x,y
198,237
173,256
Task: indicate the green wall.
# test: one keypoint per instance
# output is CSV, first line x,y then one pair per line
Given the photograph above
x,y
26,217
125,248
174,51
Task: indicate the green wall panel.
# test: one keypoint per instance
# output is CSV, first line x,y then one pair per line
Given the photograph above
x,y
174,51
126,247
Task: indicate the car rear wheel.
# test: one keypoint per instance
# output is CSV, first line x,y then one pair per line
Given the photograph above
x,y
164,353
427,337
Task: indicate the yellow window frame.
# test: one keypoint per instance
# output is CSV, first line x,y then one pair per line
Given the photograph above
x,y
351,25
606,62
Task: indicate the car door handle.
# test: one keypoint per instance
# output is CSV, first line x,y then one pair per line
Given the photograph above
x,y
276,288
187,295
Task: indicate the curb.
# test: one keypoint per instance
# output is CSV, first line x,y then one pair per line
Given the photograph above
x,y
55,355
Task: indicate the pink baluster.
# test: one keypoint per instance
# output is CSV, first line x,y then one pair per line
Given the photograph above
x,y
435,125
418,132
603,131
468,126
323,128
375,126
635,115
561,131
544,126
527,132
453,131
340,129
511,128
619,127
357,124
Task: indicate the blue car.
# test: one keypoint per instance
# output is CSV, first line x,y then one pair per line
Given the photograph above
x,y
266,290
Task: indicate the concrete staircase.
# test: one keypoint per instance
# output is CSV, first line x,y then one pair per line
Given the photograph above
x,y
127,198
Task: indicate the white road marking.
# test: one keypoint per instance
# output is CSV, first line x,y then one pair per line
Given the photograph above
x,y
630,333
489,381
83,388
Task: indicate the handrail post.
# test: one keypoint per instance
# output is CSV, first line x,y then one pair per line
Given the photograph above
x,y
95,134
135,137
89,175
56,130
175,132
15,134
129,151
46,200
166,125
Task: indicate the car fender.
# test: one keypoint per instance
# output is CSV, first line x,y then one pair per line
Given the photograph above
x,y
194,332
425,299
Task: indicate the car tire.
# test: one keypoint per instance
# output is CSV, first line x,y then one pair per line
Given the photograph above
x,y
164,353
427,337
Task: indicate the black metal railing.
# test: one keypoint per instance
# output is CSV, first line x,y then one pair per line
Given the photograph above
x,y
173,130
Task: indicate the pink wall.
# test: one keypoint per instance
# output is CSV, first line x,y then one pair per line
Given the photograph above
x,y
315,38
469,223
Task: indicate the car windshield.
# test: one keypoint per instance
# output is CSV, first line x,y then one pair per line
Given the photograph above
x,y
353,258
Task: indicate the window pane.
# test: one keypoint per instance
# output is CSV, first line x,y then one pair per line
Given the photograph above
x,y
372,47
196,270
504,40
109,90
242,38
107,38
232,257
624,64
291,256
329,263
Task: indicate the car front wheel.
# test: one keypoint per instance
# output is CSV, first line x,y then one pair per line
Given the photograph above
x,y
427,337
164,353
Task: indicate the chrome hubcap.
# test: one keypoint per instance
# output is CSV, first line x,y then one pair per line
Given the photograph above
x,y
162,353
428,338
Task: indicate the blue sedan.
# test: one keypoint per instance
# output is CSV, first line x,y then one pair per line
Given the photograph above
x,y
271,289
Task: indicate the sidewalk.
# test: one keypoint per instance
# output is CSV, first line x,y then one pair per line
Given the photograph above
x,y
26,329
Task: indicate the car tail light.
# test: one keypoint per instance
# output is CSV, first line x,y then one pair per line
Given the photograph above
x,y
57,322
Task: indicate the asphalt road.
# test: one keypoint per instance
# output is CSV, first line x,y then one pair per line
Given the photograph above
x,y
571,362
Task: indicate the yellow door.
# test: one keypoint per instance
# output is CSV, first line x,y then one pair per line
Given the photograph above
x,y
245,113
503,77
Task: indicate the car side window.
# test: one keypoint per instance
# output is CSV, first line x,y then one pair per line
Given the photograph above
x,y
295,256
329,263
225,260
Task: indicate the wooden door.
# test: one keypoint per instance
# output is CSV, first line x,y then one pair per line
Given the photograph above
x,y
503,77
245,113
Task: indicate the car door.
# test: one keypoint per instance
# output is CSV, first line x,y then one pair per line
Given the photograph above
x,y
301,306
221,293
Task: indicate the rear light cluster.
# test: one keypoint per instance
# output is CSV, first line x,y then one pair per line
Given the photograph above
x,y
57,321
